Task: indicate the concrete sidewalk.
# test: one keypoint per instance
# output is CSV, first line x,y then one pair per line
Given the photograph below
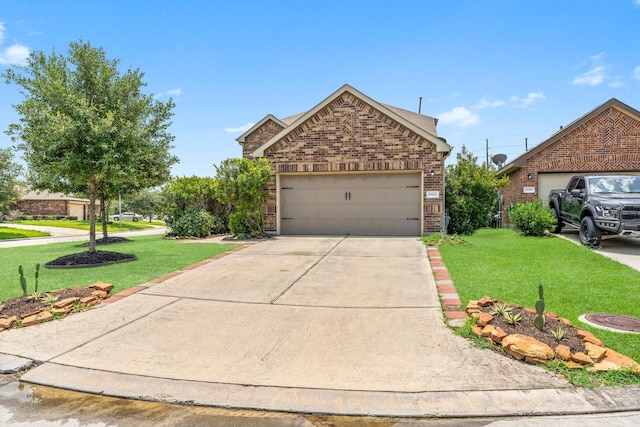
x,y
309,324
60,234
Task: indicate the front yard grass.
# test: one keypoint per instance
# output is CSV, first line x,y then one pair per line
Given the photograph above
x,y
112,226
502,264
18,233
156,257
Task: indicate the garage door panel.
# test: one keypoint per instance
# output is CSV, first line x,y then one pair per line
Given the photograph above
x,y
357,204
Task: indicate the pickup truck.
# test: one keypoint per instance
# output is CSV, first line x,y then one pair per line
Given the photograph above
x,y
598,206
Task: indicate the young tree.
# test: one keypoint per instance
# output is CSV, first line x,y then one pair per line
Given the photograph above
x,y
145,202
9,172
241,183
86,128
471,194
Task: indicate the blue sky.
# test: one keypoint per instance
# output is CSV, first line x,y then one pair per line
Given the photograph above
x,y
502,70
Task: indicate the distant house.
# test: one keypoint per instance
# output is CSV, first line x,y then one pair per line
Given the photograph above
x,y
52,204
605,140
351,165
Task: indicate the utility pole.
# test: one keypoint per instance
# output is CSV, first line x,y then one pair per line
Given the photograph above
x,y
487,150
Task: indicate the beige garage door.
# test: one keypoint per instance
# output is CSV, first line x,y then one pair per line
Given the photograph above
x,y
355,204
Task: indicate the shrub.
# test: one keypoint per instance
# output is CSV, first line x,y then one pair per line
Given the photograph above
x,y
532,218
191,223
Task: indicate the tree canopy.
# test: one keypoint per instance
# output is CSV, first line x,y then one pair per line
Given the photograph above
x,y
85,128
9,173
471,193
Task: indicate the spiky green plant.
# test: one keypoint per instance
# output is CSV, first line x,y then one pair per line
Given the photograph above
x,y
558,333
500,309
35,296
23,281
48,299
539,319
512,318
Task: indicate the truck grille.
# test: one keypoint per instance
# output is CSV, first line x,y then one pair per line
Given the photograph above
x,y
630,213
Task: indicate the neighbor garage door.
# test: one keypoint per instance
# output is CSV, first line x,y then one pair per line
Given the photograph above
x,y
357,204
552,181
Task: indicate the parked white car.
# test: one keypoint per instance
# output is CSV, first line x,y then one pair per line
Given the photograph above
x,y
127,216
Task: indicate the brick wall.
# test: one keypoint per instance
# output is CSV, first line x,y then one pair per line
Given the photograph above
x,y
42,207
349,135
608,142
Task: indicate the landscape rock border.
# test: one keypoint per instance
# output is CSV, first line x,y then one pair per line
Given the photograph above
x,y
596,357
62,307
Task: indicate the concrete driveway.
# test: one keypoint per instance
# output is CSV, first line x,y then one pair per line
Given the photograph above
x,y
308,324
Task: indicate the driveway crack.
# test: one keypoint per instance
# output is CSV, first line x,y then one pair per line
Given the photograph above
x,y
273,301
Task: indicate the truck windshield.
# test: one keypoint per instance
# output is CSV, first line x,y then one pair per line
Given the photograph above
x,y
614,184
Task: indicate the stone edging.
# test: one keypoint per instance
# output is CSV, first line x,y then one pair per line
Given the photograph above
x,y
62,307
449,298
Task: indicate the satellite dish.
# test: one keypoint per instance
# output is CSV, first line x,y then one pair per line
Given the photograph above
x,y
499,159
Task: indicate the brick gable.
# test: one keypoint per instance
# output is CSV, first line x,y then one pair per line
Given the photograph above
x,y
609,141
268,130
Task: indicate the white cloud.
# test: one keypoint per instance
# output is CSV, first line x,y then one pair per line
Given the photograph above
x,y
596,74
460,117
636,71
530,99
14,55
484,103
170,92
636,2
242,128
594,77
616,83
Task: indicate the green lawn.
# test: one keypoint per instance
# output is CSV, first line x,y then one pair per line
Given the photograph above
x,y
156,257
84,225
502,264
17,233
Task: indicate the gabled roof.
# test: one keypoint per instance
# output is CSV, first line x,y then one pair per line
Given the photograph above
x,y
265,119
521,161
418,123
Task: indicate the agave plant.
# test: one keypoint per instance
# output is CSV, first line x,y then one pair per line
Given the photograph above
x,y
500,309
48,299
558,333
512,317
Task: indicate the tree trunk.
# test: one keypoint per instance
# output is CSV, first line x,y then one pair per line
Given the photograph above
x,y
92,214
104,208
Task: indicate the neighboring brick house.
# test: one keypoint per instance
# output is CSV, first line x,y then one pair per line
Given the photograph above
x,y
52,204
605,140
351,165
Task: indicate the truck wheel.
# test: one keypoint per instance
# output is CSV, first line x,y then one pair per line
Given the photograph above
x,y
558,228
589,234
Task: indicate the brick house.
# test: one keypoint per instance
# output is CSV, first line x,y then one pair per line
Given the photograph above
x,y
52,204
351,165
605,140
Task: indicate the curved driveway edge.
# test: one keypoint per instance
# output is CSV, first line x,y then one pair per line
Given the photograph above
x,y
328,325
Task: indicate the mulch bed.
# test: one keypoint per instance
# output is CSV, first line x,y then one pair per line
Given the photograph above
x,y
24,306
527,327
